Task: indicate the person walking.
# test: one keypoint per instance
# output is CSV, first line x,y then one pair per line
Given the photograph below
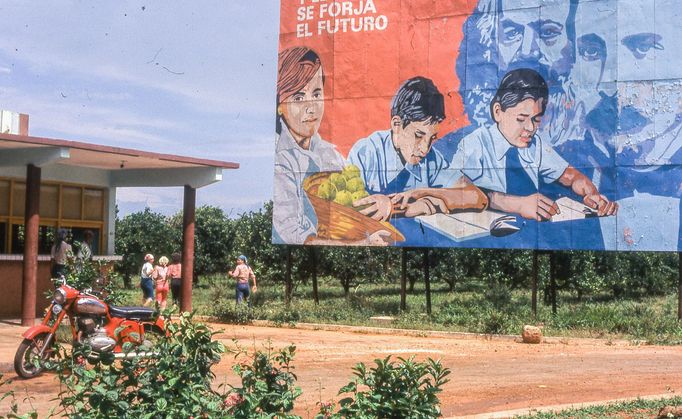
x,y
146,282
160,277
243,272
175,275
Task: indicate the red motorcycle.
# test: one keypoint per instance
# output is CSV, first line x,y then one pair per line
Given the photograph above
x,y
102,327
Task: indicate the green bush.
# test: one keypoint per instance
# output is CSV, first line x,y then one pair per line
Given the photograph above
x,y
233,313
406,389
175,383
268,384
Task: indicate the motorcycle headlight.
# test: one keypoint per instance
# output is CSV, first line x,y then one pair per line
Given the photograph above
x,y
56,308
59,296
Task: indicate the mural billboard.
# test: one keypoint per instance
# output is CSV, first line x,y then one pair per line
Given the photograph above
x,y
534,124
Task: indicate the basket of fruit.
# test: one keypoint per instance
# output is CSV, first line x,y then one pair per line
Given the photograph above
x,y
332,195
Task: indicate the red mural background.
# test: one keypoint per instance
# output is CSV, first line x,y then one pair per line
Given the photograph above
x,y
364,69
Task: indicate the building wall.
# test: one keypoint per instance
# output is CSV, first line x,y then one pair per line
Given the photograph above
x,y
11,274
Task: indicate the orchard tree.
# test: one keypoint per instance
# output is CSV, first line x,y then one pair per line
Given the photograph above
x,y
140,233
253,238
214,235
353,265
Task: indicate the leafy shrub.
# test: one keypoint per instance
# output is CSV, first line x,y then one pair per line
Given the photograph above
x,y
498,295
494,322
407,389
234,313
14,405
89,274
268,384
176,382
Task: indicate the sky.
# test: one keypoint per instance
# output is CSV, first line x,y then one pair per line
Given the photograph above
x,y
190,78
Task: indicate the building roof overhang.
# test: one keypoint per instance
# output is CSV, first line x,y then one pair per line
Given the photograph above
x,y
116,166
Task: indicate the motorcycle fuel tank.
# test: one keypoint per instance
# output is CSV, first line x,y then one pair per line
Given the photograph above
x,y
86,305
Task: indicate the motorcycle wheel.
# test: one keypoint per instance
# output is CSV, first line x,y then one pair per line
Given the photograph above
x,y
26,361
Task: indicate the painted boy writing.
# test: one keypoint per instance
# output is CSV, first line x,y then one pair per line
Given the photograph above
x,y
508,160
402,158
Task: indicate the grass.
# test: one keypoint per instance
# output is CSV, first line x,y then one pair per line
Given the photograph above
x,y
467,309
633,409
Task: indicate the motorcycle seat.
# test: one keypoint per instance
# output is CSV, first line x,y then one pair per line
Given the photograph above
x,y
133,313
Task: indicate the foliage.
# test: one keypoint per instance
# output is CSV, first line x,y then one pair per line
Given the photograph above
x,y
14,405
176,382
220,239
406,389
353,265
268,384
639,408
233,313
214,236
92,275
140,233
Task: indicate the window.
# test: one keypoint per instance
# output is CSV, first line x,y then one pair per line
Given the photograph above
x,y
93,204
4,197
71,202
75,208
3,237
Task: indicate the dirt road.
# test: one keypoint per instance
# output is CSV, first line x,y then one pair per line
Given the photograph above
x,y
488,375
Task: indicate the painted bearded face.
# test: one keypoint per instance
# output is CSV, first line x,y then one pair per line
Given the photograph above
x,y
649,73
535,38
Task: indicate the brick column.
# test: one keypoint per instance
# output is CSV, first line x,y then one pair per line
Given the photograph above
x,y
188,214
31,226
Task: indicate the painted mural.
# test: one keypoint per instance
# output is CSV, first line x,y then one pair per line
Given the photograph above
x,y
537,124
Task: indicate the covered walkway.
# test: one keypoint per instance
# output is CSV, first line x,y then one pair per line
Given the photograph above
x,y
47,182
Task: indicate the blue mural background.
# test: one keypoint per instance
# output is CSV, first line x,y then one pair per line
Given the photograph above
x,y
613,72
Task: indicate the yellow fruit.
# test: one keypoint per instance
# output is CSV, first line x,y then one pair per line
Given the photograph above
x,y
344,198
326,190
338,180
355,185
351,171
359,195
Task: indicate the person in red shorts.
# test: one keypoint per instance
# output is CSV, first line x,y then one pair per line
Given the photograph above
x,y
162,282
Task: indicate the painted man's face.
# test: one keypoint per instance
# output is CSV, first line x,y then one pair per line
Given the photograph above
x,y
519,123
648,57
596,31
594,74
534,37
303,110
414,141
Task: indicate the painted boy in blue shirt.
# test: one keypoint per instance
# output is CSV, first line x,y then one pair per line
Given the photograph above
x,y
508,160
402,159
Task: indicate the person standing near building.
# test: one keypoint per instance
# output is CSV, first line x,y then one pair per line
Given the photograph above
x,y
85,249
60,253
175,276
243,273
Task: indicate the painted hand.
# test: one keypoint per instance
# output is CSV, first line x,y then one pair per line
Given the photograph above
x,y
537,207
601,203
379,206
426,206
